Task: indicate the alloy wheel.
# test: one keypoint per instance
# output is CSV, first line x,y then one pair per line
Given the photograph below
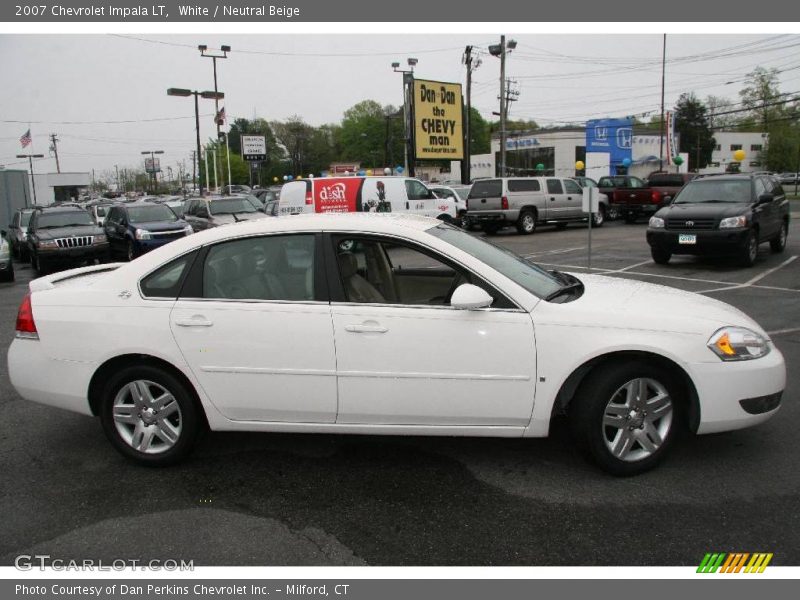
x,y
147,417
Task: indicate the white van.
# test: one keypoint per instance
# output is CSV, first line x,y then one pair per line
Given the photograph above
x,y
364,194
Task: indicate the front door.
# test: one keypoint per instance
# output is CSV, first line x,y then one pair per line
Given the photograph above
x,y
574,199
557,206
406,357
254,332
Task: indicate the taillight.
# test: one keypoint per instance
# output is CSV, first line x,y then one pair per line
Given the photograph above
x,y
504,203
309,198
656,196
26,327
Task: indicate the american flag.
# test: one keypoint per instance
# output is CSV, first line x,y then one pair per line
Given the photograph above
x,y
25,140
220,118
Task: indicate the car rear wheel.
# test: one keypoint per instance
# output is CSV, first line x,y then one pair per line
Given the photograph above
x,y
526,224
625,416
660,257
749,250
131,253
599,217
149,416
779,243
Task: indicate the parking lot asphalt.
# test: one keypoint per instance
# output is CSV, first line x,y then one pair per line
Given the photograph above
x,y
266,499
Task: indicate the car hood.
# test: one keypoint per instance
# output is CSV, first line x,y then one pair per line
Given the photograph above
x,y
711,210
161,225
224,219
63,232
630,304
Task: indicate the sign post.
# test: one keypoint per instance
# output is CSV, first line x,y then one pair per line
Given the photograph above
x,y
591,202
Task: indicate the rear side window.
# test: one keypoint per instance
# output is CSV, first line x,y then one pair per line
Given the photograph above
x,y
554,186
572,187
524,185
487,188
166,281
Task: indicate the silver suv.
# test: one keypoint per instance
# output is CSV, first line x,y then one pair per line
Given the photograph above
x,y
526,202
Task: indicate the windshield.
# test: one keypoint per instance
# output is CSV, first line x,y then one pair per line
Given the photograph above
x,y
736,191
63,219
228,206
529,276
149,214
486,188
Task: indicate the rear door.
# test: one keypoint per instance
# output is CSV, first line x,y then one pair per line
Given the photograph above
x,y
486,195
557,204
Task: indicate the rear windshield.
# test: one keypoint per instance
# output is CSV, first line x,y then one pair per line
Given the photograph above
x,y
715,190
149,214
63,219
666,180
486,188
611,182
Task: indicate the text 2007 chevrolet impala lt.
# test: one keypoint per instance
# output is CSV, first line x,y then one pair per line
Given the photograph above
x,y
384,324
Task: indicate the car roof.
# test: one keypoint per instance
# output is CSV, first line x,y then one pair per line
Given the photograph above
x,y
62,208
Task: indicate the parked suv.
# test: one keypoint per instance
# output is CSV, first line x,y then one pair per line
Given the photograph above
x,y
6,262
64,236
723,215
212,211
525,202
133,229
17,237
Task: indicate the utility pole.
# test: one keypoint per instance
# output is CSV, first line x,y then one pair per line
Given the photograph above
x,y
471,63
30,158
502,106
195,160
408,96
119,187
54,140
204,52
663,76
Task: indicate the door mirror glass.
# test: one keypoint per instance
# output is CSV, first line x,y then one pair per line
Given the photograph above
x,y
470,297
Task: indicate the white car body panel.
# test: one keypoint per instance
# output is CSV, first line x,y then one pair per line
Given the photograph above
x,y
437,371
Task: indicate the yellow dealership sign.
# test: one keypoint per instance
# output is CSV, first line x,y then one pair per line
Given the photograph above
x,y
438,120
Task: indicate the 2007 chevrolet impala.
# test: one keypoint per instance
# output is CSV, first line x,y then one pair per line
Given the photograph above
x,y
384,324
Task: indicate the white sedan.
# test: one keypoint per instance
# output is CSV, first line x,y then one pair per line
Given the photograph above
x,y
384,324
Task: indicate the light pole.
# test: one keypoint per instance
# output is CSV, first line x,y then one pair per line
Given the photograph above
x,y
500,50
408,90
152,154
207,95
30,158
205,53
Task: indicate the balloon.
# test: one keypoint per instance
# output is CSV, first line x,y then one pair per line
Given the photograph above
x,y
678,160
369,172
399,169
311,176
540,167
290,177
347,172
286,178
626,162
387,171
739,155
275,180
579,165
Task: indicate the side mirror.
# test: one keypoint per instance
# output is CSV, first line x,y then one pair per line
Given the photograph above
x,y
765,198
667,200
470,297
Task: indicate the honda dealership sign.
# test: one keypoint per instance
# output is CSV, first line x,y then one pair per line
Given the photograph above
x,y
613,136
254,148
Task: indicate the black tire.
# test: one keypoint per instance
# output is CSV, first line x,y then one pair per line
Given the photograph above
x,y
14,251
8,275
630,218
600,398
187,416
599,217
526,223
130,251
660,257
39,266
491,229
749,250
779,243
462,220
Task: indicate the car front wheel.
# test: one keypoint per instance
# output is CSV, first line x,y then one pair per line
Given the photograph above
x,y
149,416
779,243
660,257
625,416
749,250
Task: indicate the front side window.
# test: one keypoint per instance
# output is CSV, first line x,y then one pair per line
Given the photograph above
x,y
277,267
416,190
554,186
523,185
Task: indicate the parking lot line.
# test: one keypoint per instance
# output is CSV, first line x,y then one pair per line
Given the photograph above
x,y
751,282
769,271
644,262
559,251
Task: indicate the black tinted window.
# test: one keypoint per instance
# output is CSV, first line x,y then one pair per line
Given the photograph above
x,y
666,180
554,187
166,281
487,188
524,185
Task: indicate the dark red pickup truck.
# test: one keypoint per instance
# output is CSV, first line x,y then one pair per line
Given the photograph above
x,y
633,198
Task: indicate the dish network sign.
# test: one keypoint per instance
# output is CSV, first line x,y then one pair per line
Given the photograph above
x,y
336,195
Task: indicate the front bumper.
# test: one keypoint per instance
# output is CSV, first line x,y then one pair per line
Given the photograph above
x,y
734,395
717,242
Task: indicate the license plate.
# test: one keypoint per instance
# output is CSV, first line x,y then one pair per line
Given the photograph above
x,y
687,239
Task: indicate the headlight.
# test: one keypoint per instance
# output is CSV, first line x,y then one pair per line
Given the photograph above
x,y
730,222
100,238
142,234
47,244
738,343
656,222
188,230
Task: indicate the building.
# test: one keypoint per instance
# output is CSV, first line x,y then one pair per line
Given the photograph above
x,y
728,142
15,193
59,187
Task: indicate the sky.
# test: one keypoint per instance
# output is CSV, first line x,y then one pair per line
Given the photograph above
x,y
105,95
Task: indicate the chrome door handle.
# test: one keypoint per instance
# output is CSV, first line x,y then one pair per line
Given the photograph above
x,y
365,328
196,321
